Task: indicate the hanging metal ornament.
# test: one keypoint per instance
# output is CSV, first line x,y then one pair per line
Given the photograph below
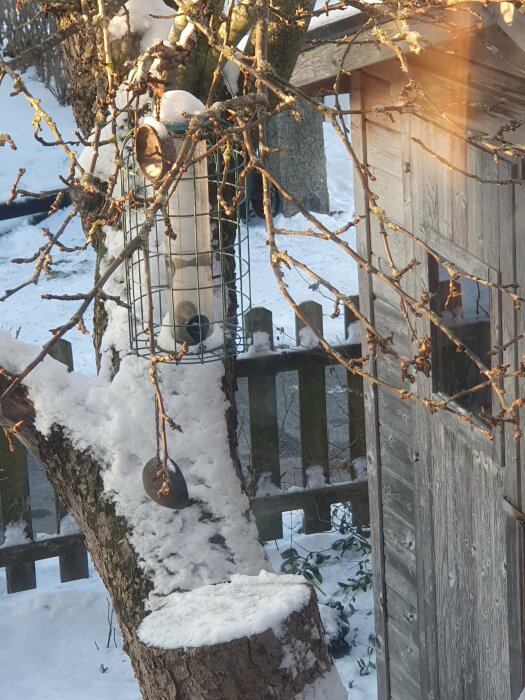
x,y
165,486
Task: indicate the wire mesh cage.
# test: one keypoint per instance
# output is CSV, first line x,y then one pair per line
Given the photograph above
x,y
198,251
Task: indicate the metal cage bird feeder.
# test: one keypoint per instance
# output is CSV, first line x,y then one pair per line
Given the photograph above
x,y
198,249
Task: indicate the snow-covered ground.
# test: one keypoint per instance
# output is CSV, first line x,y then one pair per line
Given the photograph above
x,y
60,641
53,641
74,272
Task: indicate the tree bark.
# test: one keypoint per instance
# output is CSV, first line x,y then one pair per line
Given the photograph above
x,y
251,667
256,667
263,665
87,84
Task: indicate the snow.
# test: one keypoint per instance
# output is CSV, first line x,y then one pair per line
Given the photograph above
x,y
74,272
53,642
245,606
324,257
43,164
315,477
67,525
26,314
15,533
115,421
260,344
139,16
360,465
63,630
266,487
175,103
231,72
332,16
337,568
354,332
328,687
307,338
117,415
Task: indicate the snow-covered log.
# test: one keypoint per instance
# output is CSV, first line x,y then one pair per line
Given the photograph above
x,y
193,627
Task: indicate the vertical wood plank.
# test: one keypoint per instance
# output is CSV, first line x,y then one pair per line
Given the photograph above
x,y
442,146
508,258
459,188
426,203
489,210
73,566
475,195
313,419
418,200
364,247
356,426
15,508
264,428
356,416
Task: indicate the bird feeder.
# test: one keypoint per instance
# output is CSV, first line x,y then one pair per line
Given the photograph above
x,y
198,266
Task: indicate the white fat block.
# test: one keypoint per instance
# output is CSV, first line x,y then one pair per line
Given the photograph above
x,y
188,247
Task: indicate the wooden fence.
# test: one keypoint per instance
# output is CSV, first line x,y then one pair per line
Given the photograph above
x,y
261,371
15,507
24,27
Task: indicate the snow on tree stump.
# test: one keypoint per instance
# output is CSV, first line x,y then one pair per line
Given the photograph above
x,y
301,165
254,637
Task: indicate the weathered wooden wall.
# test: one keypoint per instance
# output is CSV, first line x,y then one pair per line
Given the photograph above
x,y
448,562
389,422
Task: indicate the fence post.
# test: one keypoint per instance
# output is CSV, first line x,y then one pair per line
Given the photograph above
x,y
15,508
313,420
74,565
356,426
264,428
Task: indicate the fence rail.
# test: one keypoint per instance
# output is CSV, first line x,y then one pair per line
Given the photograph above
x,y
15,507
260,370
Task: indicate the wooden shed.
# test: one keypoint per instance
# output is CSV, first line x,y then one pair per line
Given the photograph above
x,y
448,557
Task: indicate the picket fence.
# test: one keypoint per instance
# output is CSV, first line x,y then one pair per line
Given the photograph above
x,y
261,371
24,29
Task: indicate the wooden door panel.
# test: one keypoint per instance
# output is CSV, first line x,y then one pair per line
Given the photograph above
x,y
470,568
463,591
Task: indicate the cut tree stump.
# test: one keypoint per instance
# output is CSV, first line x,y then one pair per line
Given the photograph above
x,y
214,636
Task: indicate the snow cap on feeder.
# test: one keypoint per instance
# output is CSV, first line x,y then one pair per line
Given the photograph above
x,y
195,253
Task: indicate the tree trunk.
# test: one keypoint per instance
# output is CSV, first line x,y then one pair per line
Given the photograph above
x,y
264,664
94,441
87,84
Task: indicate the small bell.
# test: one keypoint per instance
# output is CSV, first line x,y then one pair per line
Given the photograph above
x,y
165,487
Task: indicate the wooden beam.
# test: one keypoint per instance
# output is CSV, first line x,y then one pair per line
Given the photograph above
x,y
337,26
261,506
374,459
313,420
18,554
292,360
321,64
15,508
298,500
264,425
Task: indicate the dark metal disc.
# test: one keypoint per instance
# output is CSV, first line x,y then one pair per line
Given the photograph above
x,y
177,497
